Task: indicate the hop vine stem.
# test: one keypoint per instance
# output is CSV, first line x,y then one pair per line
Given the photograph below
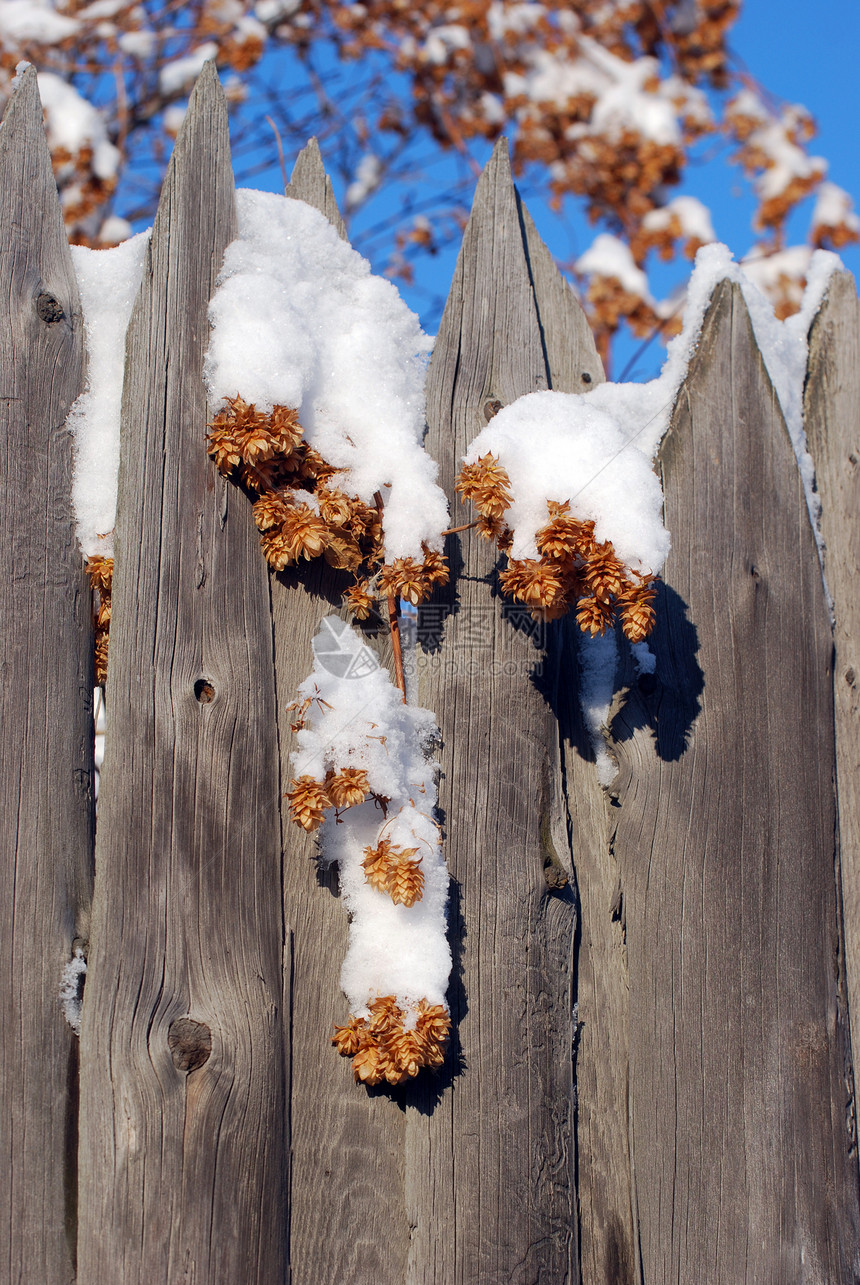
x,y
394,624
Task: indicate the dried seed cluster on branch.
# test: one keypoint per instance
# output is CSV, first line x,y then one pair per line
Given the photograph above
x,y
574,570
302,513
100,573
388,1045
604,100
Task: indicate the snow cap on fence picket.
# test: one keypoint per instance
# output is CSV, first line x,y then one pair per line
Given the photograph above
x,y
299,320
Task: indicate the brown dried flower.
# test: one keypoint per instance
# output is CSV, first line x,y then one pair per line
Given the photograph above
x,y
100,574
382,1047
308,802
394,870
348,788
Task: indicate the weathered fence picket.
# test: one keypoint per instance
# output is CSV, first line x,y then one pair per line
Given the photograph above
x,y
504,1129
651,1073
183,1129
725,847
46,737
832,396
347,1210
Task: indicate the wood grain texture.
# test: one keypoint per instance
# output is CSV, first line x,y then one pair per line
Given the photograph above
x,y
183,1122
348,1216
490,1150
832,397
605,1173
46,735
725,842
310,183
605,1180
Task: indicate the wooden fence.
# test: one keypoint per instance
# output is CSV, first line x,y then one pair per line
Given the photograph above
x,y
651,1074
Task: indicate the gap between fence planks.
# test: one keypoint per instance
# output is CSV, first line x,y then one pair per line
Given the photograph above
x,y
738,1043
831,401
183,1166
46,745
490,1157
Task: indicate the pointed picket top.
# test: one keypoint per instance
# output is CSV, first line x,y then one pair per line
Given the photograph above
x,y
571,353
725,853
831,398
46,755
24,108
28,181
310,183
490,329
204,126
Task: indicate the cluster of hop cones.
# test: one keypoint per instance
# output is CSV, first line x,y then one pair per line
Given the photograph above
x,y
302,514
384,1046
387,1046
388,867
573,571
100,573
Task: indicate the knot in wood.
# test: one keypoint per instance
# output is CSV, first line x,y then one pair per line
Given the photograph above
x,y
190,1043
49,308
204,691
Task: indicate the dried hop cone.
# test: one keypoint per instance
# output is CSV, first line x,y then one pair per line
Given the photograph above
x,y
385,1046
637,611
394,870
308,802
348,788
100,574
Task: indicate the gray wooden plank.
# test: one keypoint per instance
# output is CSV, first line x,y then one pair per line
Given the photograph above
x,y
832,396
490,1150
310,183
725,843
605,1180
183,1079
348,1217
46,734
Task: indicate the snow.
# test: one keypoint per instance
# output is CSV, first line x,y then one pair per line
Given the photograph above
x,y
609,256
298,320
114,229
367,178
693,217
74,124
272,10
357,719
28,21
138,44
108,282
570,447
833,207
442,40
627,104
71,990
